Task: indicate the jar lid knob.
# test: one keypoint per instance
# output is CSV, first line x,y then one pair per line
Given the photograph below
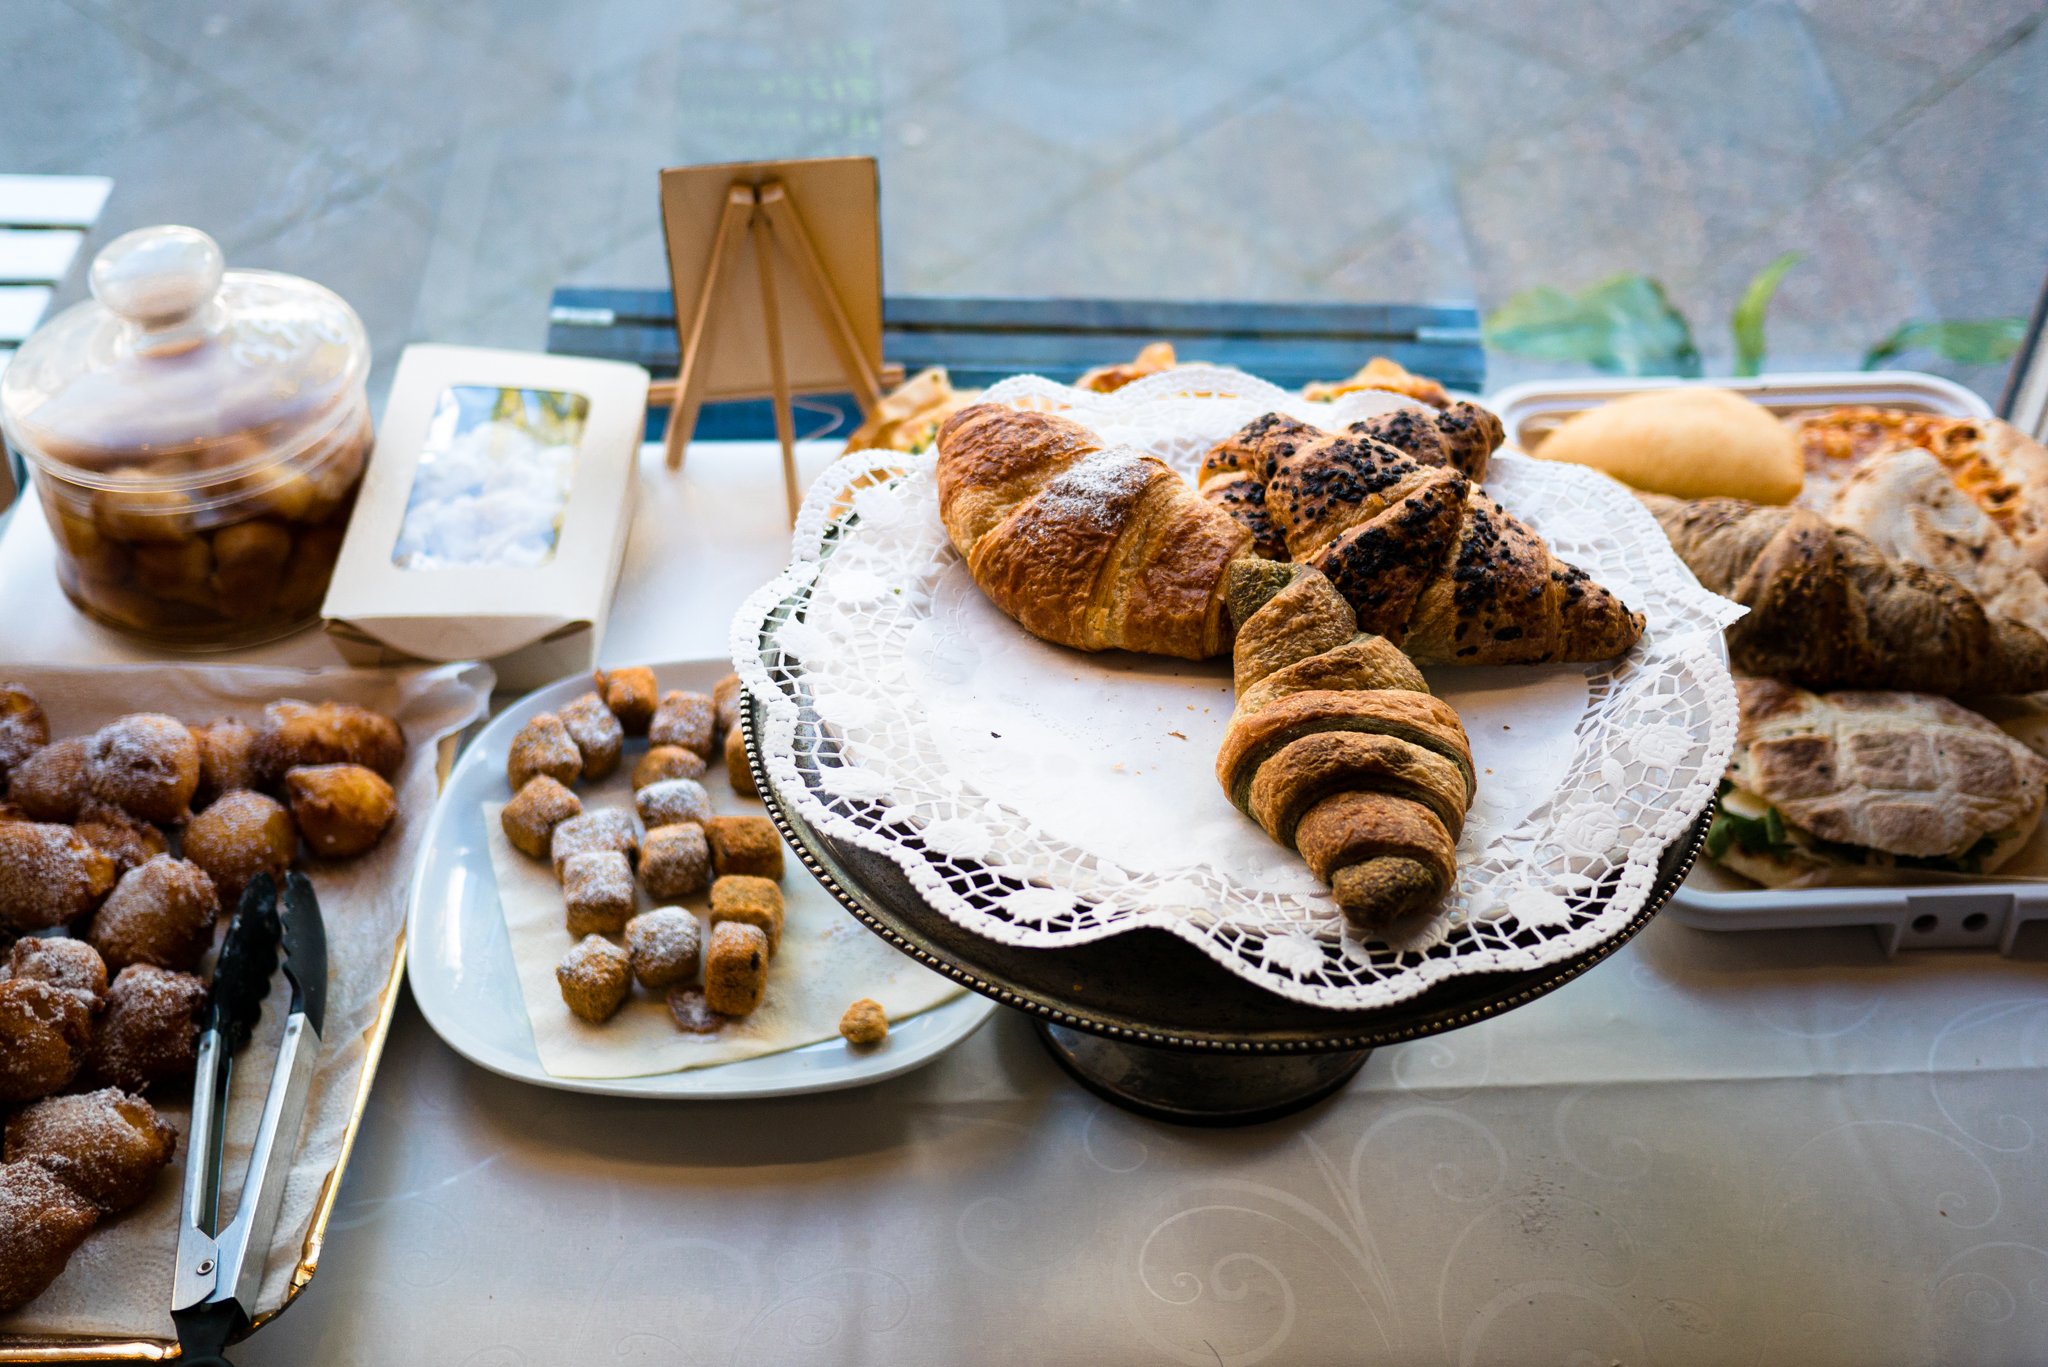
x,y
158,277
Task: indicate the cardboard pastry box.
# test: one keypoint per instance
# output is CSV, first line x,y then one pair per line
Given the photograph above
x,y
493,517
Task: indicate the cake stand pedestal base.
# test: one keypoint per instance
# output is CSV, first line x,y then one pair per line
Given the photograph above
x,y
1198,1087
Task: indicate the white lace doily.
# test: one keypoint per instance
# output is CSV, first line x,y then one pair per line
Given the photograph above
x,y
1043,796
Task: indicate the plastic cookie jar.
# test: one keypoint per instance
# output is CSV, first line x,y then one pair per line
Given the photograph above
x,y
197,436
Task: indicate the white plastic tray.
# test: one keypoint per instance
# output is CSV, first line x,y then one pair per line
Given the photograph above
x,y
1530,412
1977,914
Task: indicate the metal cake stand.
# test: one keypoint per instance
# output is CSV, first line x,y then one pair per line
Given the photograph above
x,y
1146,1020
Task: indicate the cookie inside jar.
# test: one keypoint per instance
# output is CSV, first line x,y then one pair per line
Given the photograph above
x,y
197,437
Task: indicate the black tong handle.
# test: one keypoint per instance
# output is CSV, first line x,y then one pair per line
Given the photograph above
x,y
205,1331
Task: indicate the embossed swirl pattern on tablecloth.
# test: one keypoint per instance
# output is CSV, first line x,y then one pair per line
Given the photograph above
x,y
1045,797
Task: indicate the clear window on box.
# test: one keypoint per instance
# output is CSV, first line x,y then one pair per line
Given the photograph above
x,y
493,480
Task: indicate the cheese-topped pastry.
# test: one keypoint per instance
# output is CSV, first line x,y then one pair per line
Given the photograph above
x,y
1998,467
1904,502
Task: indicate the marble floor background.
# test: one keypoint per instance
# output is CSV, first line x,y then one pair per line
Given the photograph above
x,y
445,165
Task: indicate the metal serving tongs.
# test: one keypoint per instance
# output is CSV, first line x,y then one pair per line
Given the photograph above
x,y
220,1270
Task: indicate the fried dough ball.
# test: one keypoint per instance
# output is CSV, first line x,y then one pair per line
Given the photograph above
x,y
23,727
598,735
664,762
177,570
725,700
45,1033
750,901
249,557
128,509
71,964
50,784
865,1023
150,1032
597,892
595,976
665,946
341,809
122,838
604,829
735,968
543,746
147,764
738,772
107,1146
685,719
533,813
42,1223
671,801
49,874
241,835
161,913
744,844
227,758
311,567
294,734
629,693
675,861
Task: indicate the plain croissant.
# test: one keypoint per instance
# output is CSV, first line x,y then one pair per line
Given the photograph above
x,y
1423,555
1827,609
1337,748
1086,546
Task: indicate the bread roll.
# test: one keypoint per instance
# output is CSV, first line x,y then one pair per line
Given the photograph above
x,y
1694,442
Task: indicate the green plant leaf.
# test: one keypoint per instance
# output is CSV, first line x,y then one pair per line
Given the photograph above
x,y
1748,320
1976,341
1624,325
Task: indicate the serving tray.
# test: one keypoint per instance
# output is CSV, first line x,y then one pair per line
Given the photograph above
x,y
1960,913
1149,1021
1064,778
434,704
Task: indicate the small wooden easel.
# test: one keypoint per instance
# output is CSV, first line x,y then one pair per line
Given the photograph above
x,y
736,343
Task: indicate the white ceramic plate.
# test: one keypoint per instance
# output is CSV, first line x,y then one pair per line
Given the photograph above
x,y
463,977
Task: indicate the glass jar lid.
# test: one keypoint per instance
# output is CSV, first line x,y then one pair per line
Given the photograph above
x,y
178,367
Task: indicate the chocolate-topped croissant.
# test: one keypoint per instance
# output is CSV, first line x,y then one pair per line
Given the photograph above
x,y
1106,547
1422,553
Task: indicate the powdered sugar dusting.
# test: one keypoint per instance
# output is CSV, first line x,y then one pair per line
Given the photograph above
x,y
593,963
48,874
664,943
671,801
1098,488
598,876
106,1145
33,1198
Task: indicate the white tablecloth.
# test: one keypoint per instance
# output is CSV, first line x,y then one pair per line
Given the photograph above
x,y
1768,1149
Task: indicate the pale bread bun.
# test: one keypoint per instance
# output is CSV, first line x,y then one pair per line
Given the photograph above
x,y
1691,442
